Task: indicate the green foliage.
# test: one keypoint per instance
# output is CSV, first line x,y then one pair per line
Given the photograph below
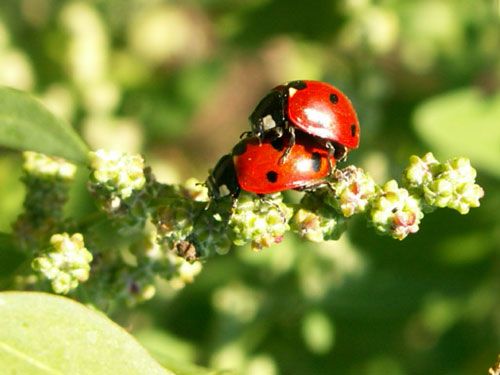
x,y
25,124
44,334
463,122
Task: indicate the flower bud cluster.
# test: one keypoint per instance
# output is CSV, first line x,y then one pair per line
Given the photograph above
x,y
211,234
47,167
180,224
352,189
156,260
450,184
182,272
316,220
174,220
47,180
66,263
119,174
394,211
262,222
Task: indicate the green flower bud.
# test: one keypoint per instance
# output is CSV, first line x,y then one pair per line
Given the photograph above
x,y
43,166
353,189
195,190
466,195
454,187
262,222
181,272
459,170
421,171
47,180
66,263
119,173
139,286
395,212
438,192
318,226
211,234
174,220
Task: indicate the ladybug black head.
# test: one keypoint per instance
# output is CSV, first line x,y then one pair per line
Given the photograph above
x,y
223,181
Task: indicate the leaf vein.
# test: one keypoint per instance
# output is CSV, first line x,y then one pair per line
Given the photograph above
x,y
35,363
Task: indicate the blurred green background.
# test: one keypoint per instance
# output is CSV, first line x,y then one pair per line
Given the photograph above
x,y
176,80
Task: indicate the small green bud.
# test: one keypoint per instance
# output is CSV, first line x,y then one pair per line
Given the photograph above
x,y
318,226
353,190
184,271
174,221
66,263
43,166
195,190
467,195
211,233
119,173
395,212
139,287
454,187
262,222
438,192
421,171
459,170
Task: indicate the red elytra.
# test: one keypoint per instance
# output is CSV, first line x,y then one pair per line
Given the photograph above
x,y
324,111
260,169
314,107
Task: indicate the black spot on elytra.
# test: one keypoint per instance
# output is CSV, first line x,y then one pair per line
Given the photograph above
x,y
334,98
394,210
278,144
298,85
239,149
316,161
353,130
272,176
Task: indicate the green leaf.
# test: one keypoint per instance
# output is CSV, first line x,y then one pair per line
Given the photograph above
x,y
46,334
173,353
463,123
25,124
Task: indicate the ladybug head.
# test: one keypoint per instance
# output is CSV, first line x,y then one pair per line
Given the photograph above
x,y
269,114
222,181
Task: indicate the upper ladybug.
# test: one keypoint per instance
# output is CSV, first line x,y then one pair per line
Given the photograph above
x,y
316,108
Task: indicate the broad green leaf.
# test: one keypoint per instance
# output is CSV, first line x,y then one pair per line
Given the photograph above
x,y
463,123
173,353
25,124
46,334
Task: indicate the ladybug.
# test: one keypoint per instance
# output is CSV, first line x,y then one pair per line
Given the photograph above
x,y
314,107
255,165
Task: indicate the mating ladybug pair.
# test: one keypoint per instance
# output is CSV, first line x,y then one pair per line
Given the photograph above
x,y
299,130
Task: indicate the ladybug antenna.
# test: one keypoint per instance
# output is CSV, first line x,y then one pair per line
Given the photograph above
x,y
246,134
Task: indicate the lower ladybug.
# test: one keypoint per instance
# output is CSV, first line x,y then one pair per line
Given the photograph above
x,y
257,166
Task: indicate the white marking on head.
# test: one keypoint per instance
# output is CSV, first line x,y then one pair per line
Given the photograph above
x,y
268,122
223,190
291,92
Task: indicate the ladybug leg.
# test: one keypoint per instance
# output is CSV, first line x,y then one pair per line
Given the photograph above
x,y
291,143
331,154
264,198
340,153
329,186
